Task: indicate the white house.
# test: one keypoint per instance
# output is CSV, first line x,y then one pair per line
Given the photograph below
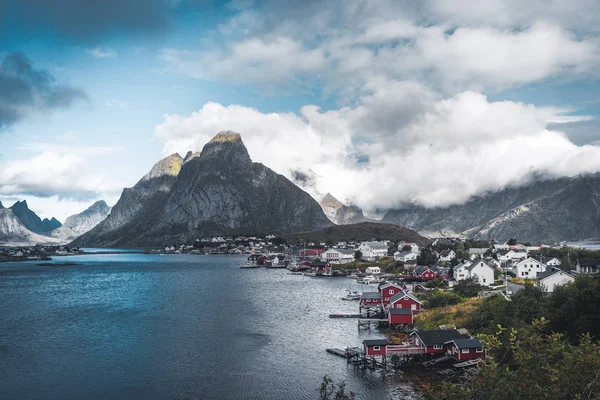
x,y
373,270
512,255
404,256
529,268
413,247
477,252
552,278
478,269
338,256
373,250
447,255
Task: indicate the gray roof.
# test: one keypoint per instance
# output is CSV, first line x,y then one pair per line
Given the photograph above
x,y
343,251
476,263
402,253
371,295
590,262
376,245
375,342
400,311
439,336
403,293
548,272
468,343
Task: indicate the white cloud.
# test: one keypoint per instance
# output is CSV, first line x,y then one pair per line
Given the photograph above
x,y
359,41
441,152
79,149
52,174
102,53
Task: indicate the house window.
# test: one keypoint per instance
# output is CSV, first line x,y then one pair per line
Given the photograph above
x,y
391,291
483,280
437,347
465,351
398,305
413,306
376,348
479,350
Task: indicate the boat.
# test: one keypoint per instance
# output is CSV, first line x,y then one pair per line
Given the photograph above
x,y
309,273
250,264
352,295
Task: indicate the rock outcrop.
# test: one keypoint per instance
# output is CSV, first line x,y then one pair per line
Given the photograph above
x,y
14,233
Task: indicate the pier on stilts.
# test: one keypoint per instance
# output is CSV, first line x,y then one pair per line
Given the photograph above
x,y
396,357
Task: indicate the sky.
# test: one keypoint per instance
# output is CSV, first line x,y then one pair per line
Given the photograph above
x,y
382,103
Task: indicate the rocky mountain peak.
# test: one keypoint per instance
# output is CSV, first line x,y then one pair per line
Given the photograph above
x,y
226,147
168,166
1,206
99,206
330,201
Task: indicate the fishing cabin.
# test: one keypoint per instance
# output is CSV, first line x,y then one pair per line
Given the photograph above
x,y
400,316
375,347
387,291
466,349
405,300
434,341
371,299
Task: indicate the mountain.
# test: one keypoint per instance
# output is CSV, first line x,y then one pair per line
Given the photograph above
x,y
14,233
550,210
219,191
363,231
30,219
86,220
341,214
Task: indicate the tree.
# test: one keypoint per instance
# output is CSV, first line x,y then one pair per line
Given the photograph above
x,y
358,255
334,391
469,287
426,257
512,242
529,363
406,248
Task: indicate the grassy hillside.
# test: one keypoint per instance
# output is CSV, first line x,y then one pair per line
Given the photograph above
x,y
459,315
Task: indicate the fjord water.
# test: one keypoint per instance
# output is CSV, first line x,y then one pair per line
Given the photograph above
x,y
140,326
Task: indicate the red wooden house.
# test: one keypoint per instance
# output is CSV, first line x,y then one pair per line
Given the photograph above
x,y
406,299
434,341
311,252
424,273
466,349
400,316
375,347
371,299
387,291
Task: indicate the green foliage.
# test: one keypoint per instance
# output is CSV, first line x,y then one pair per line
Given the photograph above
x,y
529,363
426,257
512,242
469,287
406,248
442,299
436,283
334,391
358,255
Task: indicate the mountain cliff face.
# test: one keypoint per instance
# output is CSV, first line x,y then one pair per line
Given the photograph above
x,y
30,219
545,210
219,190
14,233
341,214
86,220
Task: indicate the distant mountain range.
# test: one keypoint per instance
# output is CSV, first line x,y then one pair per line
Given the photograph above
x,y
20,226
217,191
551,210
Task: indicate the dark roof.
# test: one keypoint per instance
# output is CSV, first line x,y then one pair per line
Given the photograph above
x,y
589,262
371,295
548,272
400,311
375,342
445,253
420,269
468,343
439,336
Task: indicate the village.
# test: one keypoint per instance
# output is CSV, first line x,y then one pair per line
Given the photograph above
x,y
403,279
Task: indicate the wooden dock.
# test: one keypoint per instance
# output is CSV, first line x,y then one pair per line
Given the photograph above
x,y
345,316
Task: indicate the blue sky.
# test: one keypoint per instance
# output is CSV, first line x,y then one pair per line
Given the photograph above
x,y
379,102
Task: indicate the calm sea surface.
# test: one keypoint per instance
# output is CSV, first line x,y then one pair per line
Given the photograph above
x,y
137,326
